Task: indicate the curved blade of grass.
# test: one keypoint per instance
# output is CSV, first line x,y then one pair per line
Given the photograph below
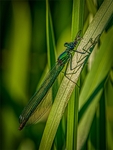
x,y
91,6
72,115
93,87
50,45
96,27
50,38
109,109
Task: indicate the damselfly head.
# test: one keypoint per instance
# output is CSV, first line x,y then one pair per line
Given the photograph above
x,y
69,45
66,44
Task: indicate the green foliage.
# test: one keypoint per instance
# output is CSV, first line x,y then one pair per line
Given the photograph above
x,y
35,31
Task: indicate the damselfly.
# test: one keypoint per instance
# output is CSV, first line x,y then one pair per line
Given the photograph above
x,y
63,59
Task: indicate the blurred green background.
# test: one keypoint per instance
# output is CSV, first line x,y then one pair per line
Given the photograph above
x,y
24,59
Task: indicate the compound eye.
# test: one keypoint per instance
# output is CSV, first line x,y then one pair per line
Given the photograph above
x,y
66,44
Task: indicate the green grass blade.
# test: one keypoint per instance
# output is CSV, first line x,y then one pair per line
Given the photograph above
x,y
50,38
93,87
109,110
50,45
72,116
77,17
70,122
91,6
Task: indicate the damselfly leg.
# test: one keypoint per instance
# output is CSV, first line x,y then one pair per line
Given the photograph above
x,y
88,48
